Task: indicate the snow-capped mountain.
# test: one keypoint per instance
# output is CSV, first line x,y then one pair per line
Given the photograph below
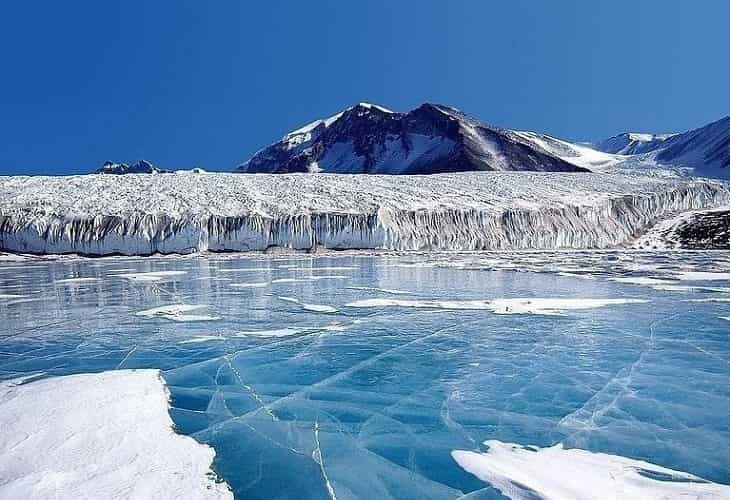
x,y
140,167
632,143
429,139
705,150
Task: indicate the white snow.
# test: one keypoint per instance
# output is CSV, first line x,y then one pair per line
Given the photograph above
x,y
543,306
577,154
145,214
309,307
176,312
557,473
390,291
261,284
76,280
150,276
641,280
202,338
375,106
278,332
702,276
690,288
94,436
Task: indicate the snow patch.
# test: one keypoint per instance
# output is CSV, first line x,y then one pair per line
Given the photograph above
x,y
309,307
176,312
640,280
522,472
104,435
542,306
702,276
261,284
148,277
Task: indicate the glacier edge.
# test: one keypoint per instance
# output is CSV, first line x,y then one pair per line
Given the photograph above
x,y
490,212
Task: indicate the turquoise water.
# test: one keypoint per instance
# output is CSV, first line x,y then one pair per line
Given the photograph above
x,y
302,401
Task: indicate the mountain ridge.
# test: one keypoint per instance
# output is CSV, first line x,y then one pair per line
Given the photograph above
x,y
431,138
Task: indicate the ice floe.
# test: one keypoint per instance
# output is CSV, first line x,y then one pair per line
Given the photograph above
x,y
151,276
389,291
640,280
527,472
104,435
202,338
703,276
690,288
76,280
276,332
309,307
543,306
250,285
176,312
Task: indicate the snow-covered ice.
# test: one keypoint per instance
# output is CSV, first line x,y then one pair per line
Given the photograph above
x,y
177,312
105,435
146,214
545,306
557,473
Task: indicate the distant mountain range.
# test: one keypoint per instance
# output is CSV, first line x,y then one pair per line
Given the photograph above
x,y
705,149
140,167
369,139
433,138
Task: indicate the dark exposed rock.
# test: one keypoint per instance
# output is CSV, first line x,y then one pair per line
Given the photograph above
x,y
429,139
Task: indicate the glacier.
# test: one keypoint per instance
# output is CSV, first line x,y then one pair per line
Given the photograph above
x,y
139,214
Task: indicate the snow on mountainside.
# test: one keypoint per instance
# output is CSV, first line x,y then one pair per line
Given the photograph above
x,y
631,143
705,150
140,167
183,213
429,139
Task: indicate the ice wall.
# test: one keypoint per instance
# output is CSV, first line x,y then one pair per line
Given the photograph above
x,y
521,211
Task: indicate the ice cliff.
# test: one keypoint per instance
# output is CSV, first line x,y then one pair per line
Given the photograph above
x,y
183,212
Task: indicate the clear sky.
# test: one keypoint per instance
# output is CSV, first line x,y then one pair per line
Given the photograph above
x,y
207,83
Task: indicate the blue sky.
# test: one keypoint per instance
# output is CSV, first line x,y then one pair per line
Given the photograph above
x,y
185,82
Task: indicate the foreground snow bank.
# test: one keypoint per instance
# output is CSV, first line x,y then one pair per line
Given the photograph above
x,y
143,214
557,473
105,435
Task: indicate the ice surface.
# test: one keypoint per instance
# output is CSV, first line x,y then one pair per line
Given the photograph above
x,y
703,276
151,276
145,214
522,472
176,312
501,306
106,435
371,402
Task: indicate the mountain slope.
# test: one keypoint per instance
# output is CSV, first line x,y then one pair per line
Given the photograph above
x,y
706,150
429,139
632,143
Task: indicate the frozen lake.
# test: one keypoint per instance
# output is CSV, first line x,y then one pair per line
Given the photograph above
x,y
359,376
